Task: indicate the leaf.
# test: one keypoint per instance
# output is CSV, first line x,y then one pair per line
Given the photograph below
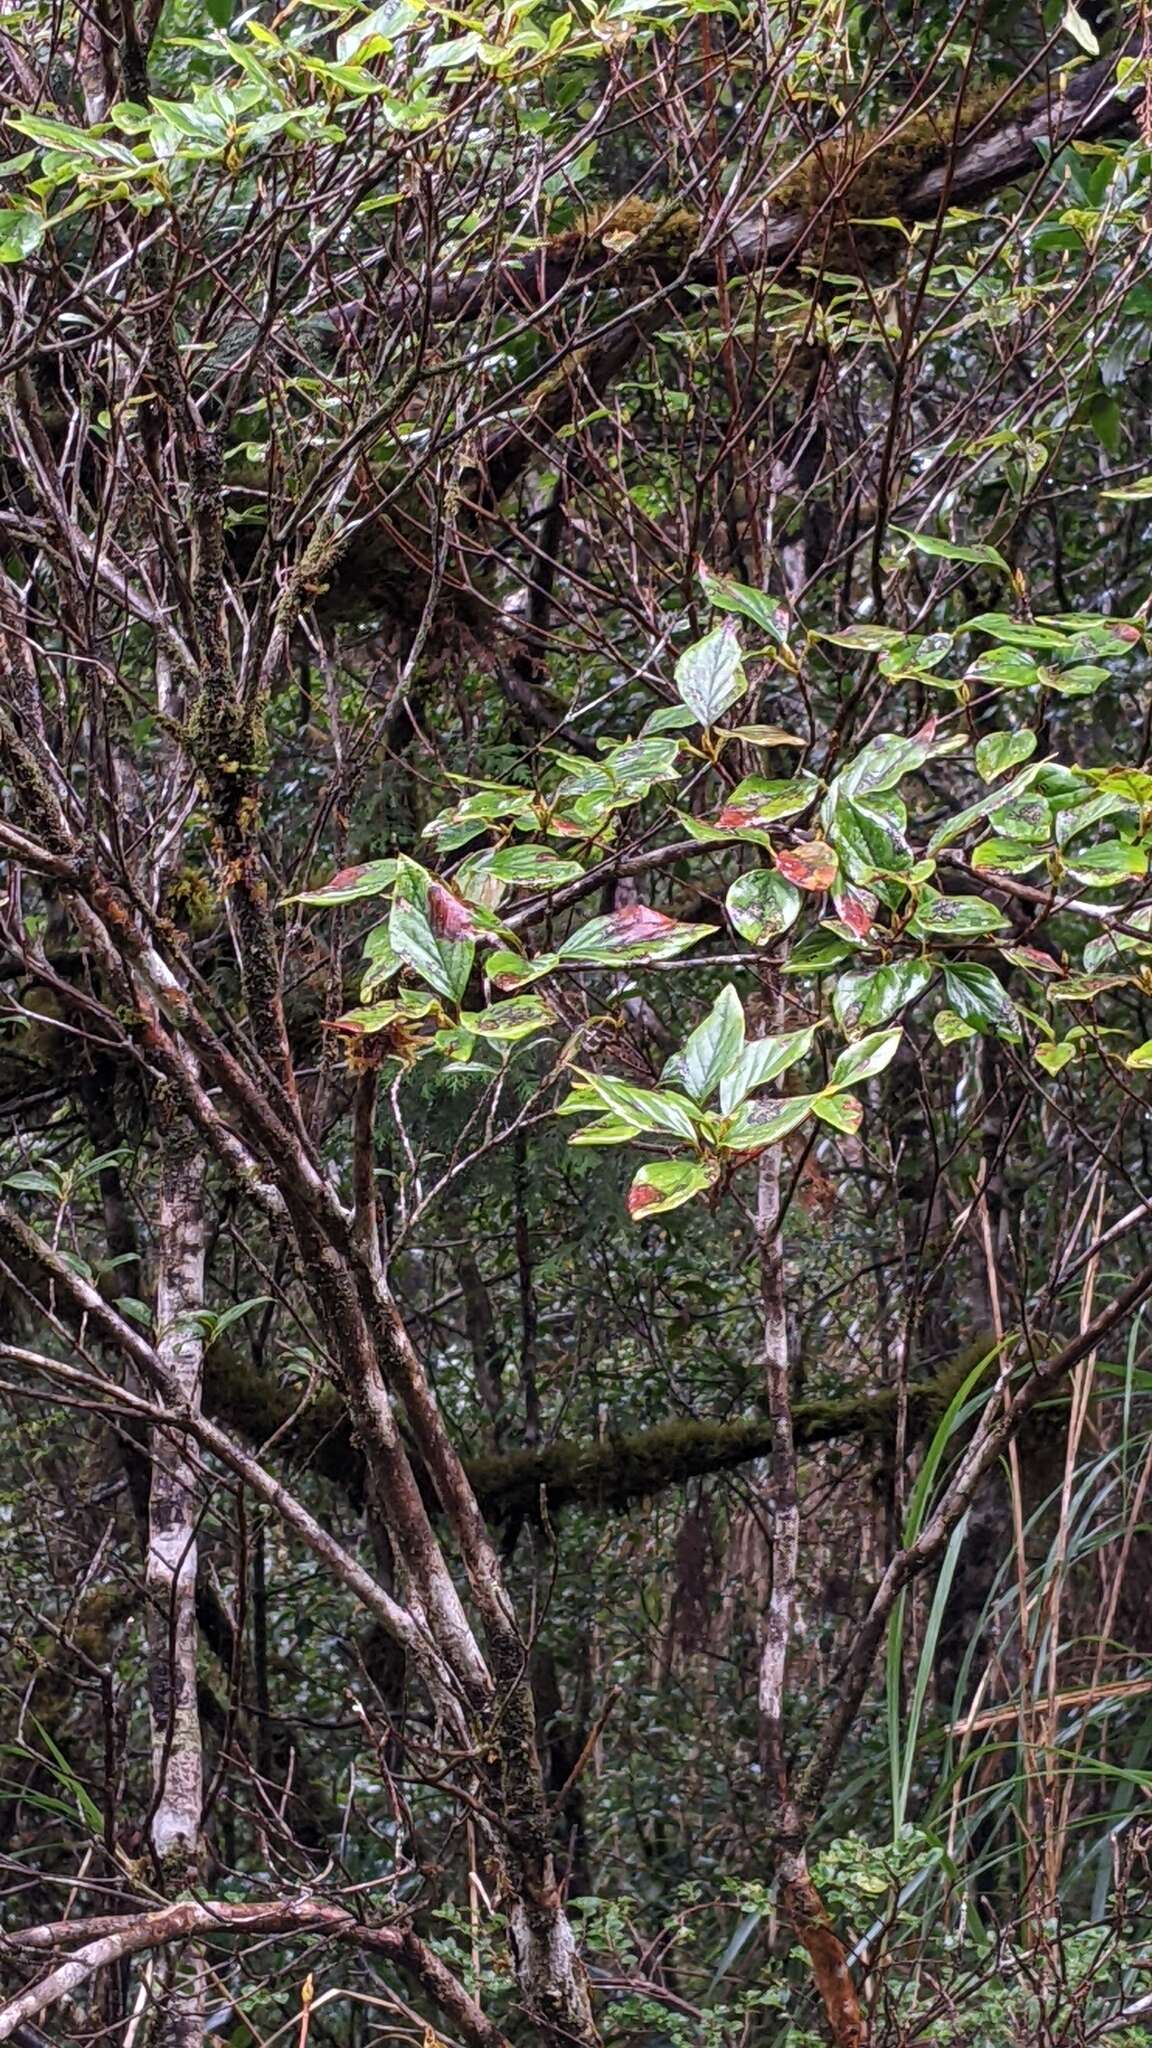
x,y
1026,817
667,1184
992,800
761,1061
1142,1057
439,958
710,1050
868,1056
1101,867
647,1109
448,917
669,718
1007,857
510,970
888,758
870,639
955,917
843,1112
951,551
372,878
816,953
1054,1057
759,1124
1081,31
710,674
1016,632
382,962
526,865
761,905
1141,487
857,909
517,1018
998,751
874,996
765,736
757,802
635,933
868,835
729,596
980,998
813,865
949,1027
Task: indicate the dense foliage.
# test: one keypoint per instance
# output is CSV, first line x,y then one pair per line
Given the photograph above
x,y
575,995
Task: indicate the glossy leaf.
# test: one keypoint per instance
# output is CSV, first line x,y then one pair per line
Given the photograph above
x,y
980,998
813,865
875,995
710,674
763,1060
999,751
711,1050
868,1056
761,905
438,956
956,917
843,1112
635,933
371,878
667,1184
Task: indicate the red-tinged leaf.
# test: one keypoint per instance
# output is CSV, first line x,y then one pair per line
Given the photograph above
x,y
811,866
448,918
638,922
642,1198
857,909
1030,957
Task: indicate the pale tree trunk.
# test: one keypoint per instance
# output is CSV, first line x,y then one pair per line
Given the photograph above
x,y
173,1515
800,1902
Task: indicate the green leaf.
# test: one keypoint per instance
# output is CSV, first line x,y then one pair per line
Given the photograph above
x,y
869,639
517,1018
1026,817
1129,493
867,833
1007,857
636,933
761,905
998,751
1016,632
950,551
992,800
949,1027
1102,867
710,1050
1053,1058
759,801
980,998
955,917
647,1109
875,995
526,866
1142,1057
1081,31
511,970
887,759
710,674
816,953
729,596
443,961
843,1112
669,718
759,1124
372,878
382,962
868,1056
21,232
667,1184
761,1061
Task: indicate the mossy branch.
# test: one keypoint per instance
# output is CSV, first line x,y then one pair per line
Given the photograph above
x,y
611,1473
